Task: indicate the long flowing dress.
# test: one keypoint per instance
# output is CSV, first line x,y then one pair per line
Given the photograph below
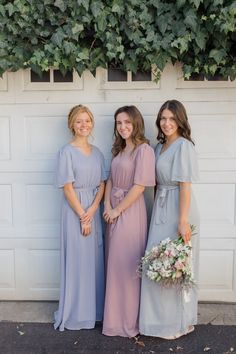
x,y
170,311
82,265
126,241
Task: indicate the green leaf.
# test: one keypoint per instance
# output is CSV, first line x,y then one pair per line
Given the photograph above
x,y
217,55
196,3
10,8
96,7
58,37
190,19
84,3
162,24
61,4
2,10
77,28
180,3
161,60
101,23
201,40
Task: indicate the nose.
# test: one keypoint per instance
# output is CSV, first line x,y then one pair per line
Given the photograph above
x,y
123,125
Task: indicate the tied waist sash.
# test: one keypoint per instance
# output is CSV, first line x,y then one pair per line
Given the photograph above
x,y
86,189
162,195
119,193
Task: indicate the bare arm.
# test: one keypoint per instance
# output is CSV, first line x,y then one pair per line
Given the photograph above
x,y
74,202
107,199
72,199
133,194
88,215
184,205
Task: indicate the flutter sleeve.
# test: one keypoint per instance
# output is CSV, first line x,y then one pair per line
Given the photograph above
x,y
103,168
145,166
64,170
185,164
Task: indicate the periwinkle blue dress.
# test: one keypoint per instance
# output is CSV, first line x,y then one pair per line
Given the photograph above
x,y
82,265
170,311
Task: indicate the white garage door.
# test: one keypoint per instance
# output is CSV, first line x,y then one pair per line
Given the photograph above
x,y
33,127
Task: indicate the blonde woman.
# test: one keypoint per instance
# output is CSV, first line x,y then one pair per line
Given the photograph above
x,y
80,173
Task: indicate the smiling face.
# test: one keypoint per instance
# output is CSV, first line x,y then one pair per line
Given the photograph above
x,y
82,125
168,124
124,126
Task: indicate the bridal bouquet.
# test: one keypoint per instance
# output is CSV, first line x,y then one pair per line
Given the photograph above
x,y
169,263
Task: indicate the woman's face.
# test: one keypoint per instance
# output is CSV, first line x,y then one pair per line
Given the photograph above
x,y
124,125
82,125
168,124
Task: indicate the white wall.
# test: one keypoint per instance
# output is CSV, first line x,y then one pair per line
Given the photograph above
x,y
33,127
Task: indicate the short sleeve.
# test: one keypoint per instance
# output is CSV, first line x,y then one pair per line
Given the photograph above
x,y
185,164
103,170
64,170
144,174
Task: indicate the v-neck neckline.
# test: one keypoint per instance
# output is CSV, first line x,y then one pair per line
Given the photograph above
x,y
168,148
81,152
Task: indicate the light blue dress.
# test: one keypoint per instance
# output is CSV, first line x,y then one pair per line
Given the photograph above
x,y
168,311
82,266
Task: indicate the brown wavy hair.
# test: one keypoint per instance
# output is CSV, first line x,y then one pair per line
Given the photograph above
x,y
181,118
73,114
137,136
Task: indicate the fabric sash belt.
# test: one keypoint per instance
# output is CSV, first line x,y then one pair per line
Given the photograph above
x,y
161,210
119,193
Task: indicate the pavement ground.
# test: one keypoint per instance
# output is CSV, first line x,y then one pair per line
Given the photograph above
x,y
26,328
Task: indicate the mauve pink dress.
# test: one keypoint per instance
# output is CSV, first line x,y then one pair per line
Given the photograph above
x,y
126,241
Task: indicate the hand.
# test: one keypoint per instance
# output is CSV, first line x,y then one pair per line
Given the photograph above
x,y
185,231
86,229
111,215
88,215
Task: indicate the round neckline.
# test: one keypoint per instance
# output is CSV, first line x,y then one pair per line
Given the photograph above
x,y
82,153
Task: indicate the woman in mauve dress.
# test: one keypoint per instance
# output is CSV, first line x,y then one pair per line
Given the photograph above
x,y
132,168
81,175
172,312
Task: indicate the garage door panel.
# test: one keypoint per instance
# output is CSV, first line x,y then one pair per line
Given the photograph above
x,y
208,133
218,274
44,136
7,269
4,138
39,260
217,203
43,204
6,205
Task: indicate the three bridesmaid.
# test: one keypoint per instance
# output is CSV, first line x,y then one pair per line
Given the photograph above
x,y
164,312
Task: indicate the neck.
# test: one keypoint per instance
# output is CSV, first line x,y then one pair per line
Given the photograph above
x,y
129,145
171,139
80,141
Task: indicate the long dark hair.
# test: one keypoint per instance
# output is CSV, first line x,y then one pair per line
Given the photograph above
x,y
137,137
181,118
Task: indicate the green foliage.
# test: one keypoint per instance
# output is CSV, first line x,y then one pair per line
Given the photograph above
x,y
130,34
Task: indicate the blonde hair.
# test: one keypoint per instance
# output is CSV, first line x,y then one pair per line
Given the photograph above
x,y
73,114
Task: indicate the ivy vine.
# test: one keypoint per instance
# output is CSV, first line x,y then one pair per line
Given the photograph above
x,y
129,34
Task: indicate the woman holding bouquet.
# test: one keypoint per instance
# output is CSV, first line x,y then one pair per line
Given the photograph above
x,y
132,168
80,173
170,312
